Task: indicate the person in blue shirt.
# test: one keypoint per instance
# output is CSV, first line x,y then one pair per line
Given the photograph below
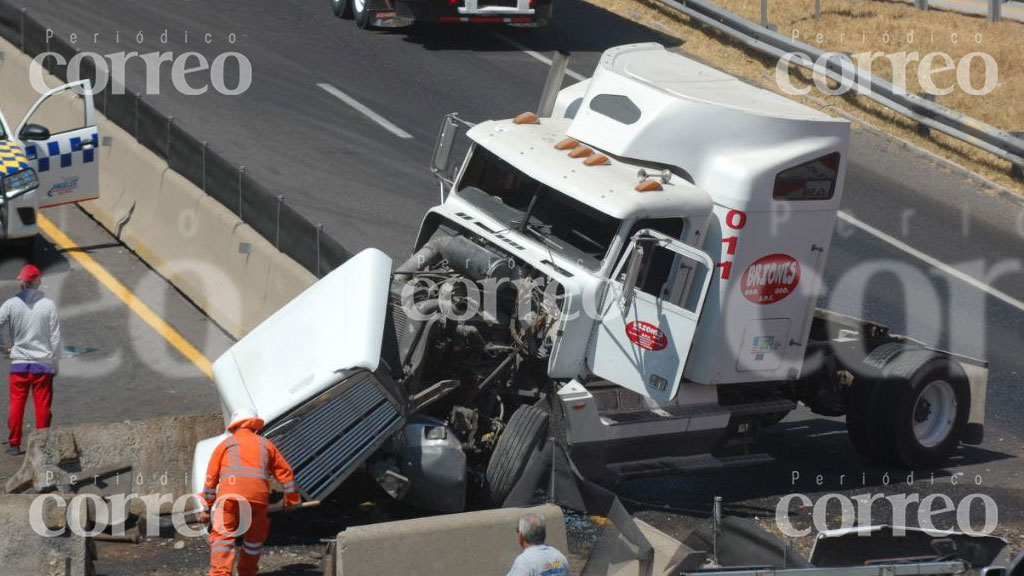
x,y
537,558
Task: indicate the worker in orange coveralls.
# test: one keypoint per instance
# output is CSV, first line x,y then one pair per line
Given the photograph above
x,y
240,469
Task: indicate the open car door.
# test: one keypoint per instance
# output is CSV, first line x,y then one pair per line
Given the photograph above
x,y
62,144
649,315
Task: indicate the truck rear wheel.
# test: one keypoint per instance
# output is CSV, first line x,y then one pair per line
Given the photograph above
x,y
919,407
525,433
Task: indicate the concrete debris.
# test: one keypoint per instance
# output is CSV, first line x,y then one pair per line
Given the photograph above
x,y
613,555
143,457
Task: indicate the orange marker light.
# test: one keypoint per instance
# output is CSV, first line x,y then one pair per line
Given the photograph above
x,y
567,144
597,160
648,186
581,152
527,118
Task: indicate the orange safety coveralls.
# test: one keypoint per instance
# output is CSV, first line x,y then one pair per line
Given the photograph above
x,y
240,469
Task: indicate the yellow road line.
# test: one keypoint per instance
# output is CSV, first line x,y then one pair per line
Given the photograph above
x,y
172,336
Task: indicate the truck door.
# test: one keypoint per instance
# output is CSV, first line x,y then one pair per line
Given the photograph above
x,y
61,141
649,315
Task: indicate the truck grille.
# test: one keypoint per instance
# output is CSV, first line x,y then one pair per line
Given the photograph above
x,y
328,438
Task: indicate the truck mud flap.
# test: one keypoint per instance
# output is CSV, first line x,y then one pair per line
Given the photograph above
x,y
328,438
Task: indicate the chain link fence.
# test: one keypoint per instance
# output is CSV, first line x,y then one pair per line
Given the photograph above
x,y
257,206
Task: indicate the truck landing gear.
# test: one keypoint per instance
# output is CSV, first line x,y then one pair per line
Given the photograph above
x,y
908,407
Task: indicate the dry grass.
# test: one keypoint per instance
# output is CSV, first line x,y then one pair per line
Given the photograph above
x,y
858,26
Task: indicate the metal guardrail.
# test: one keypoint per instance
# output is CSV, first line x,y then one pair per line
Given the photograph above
x,y
935,116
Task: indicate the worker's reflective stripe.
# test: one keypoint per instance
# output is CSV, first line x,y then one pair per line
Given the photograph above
x,y
247,473
210,491
223,545
233,457
253,548
289,486
263,451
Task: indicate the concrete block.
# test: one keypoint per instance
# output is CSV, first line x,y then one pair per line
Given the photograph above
x,y
158,450
470,543
25,552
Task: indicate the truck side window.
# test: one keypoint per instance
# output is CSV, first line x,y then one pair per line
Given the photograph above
x,y
671,227
656,271
672,277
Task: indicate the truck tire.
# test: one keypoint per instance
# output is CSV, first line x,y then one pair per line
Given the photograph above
x,y
362,14
524,434
921,404
866,432
342,8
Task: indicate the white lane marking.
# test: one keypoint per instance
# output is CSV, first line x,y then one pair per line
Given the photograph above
x,y
359,107
536,55
970,280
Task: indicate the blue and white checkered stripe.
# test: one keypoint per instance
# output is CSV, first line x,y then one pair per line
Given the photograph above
x,y
61,153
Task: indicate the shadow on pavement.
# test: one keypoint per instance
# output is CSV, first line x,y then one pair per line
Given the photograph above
x,y
803,451
39,251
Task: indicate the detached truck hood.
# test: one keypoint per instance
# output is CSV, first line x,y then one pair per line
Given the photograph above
x,y
309,372
333,327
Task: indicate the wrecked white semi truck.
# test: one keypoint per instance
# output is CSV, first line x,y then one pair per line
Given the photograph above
x,y
633,272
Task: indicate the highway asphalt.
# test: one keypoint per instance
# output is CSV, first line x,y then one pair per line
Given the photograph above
x,y
370,186
115,366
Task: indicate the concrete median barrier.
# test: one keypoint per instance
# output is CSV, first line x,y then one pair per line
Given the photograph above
x,y
471,543
141,457
232,273
24,551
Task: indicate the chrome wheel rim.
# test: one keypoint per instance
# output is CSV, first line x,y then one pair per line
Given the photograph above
x,y
934,413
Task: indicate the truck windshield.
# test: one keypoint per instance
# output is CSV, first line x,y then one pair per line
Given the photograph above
x,y
558,222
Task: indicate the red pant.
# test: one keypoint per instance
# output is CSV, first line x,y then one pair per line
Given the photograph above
x,y
223,548
42,395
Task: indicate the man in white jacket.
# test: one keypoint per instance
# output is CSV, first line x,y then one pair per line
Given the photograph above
x,y
30,322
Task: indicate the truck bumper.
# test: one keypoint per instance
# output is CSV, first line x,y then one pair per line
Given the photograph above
x,y
468,11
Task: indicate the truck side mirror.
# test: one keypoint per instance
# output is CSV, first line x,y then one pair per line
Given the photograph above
x,y
636,259
441,160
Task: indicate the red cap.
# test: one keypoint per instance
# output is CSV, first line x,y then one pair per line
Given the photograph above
x,y
29,274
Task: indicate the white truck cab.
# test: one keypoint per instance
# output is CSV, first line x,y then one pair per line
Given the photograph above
x,y
636,273
44,166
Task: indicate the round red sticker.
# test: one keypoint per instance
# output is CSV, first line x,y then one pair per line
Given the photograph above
x,y
646,335
770,279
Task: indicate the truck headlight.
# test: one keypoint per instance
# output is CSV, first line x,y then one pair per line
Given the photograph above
x,y
14,185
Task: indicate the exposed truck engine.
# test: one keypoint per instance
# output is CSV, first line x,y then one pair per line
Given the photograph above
x,y
633,273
